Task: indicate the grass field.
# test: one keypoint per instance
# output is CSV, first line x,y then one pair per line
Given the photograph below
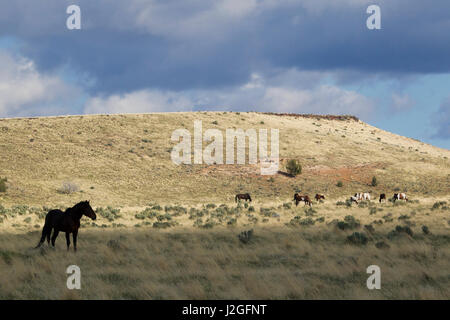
x,y
171,232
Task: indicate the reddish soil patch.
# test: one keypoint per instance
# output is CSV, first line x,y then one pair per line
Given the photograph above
x,y
359,173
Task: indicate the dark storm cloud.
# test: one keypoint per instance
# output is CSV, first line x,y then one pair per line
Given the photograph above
x,y
130,45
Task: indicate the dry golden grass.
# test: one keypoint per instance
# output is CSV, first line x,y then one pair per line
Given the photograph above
x,y
281,261
123,161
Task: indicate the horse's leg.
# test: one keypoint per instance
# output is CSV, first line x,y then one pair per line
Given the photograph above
x,y
49,232
75,234
68,240
55,234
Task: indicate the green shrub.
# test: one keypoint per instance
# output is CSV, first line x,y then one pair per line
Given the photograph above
x,y
108,213
339,184
293,167
425,230
287,205
357,238
3,186
163,225
374,181
349,223
246,236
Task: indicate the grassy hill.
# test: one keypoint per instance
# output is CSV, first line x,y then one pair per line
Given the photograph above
x,y
124,160
171,232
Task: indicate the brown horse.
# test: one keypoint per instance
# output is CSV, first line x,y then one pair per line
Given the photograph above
x,y
243,196
68,222
319,196
399,196
305,198
382,197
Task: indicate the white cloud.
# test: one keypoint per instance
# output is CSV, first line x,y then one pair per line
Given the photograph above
x,y
274,94
141,101
402,102
25,91
325,99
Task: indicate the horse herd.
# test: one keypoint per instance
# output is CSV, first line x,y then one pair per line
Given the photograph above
x,y
305,198
69,221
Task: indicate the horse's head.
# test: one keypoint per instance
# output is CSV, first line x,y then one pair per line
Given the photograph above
x,y
249,198
87,210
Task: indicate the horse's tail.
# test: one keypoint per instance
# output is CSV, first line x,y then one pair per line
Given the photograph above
x,y
47,229
235,198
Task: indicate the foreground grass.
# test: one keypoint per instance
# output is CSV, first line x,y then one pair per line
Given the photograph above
x,y
279,262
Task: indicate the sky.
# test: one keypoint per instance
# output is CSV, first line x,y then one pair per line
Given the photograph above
x,y
298,56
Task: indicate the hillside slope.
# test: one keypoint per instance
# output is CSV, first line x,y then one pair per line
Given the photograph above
x,y
125,160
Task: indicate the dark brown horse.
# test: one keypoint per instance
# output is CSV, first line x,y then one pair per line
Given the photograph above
x,y
319,196
298,198
382,197
243,196
68,222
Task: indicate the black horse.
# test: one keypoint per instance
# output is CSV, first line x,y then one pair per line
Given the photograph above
x,y
68,222
243,196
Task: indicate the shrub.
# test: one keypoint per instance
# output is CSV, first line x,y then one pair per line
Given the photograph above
x,y
287,205
177,210
349,223
108,213
374,181
438,204
310,212
425,230
382,245
399,230
68,188
246,236
369,228
339,184
3,187
163,225
293,167
307,222
357,238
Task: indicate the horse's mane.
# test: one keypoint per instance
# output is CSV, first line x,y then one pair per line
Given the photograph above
x,y
75,207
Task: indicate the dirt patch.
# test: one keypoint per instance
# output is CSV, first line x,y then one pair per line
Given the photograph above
x,y
360,173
